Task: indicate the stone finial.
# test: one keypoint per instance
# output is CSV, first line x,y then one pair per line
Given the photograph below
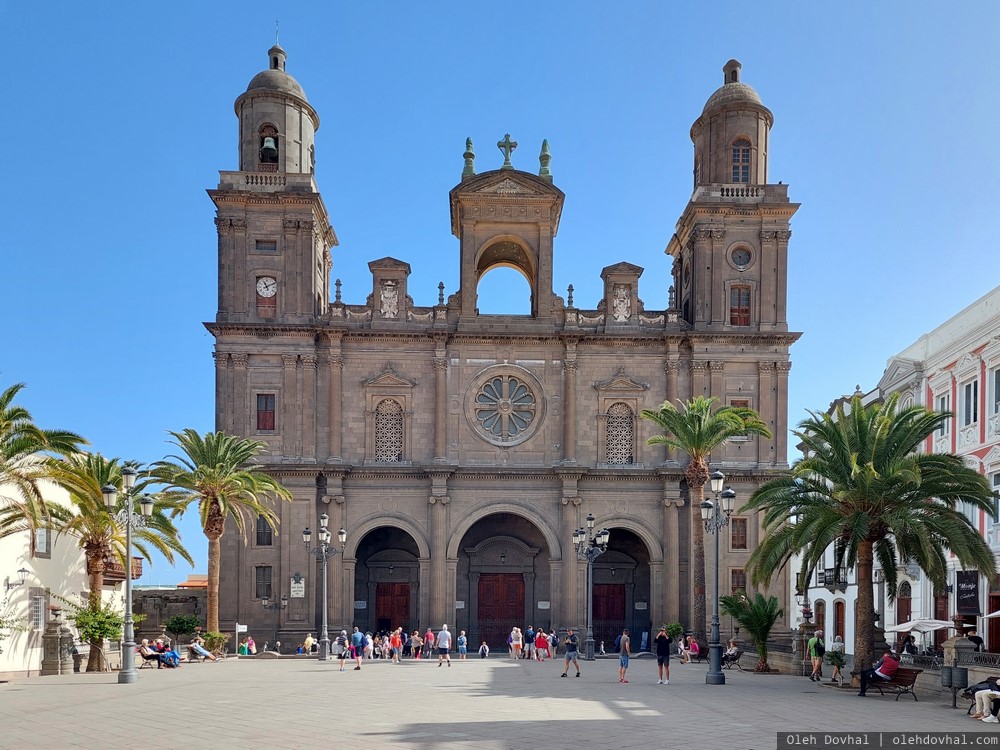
x,y
507,146
543,159
569,296
337,285
440,292
671,298
470,160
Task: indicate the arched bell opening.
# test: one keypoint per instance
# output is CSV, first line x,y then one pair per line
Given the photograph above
x,y
503,292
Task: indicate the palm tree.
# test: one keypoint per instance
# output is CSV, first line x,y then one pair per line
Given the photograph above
x,y
213,473
863,487
757,617
697,428
99,536
24,463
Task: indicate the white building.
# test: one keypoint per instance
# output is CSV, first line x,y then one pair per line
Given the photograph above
x,y
55,568
954,368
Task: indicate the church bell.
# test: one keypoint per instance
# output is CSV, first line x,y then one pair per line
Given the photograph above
x,y
270,149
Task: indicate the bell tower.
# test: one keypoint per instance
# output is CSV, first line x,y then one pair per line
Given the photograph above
x,y
274,230
730,248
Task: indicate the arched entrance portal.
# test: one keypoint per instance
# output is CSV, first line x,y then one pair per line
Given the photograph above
x,y
503,579
386,581
622,591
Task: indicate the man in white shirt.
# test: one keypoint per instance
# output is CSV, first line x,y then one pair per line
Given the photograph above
x,y
444,645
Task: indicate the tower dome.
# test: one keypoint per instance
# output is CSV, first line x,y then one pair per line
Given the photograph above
x,y
277,124
731,135
732,91
275,78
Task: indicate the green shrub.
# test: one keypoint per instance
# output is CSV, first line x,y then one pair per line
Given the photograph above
x,y
215,641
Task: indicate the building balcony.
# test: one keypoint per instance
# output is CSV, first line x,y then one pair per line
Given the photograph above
x,y
833,580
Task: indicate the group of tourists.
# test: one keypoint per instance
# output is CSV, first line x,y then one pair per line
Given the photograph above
x,y
160,652
397,645
530,644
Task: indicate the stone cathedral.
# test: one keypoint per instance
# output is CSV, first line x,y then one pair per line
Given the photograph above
x,y
460,451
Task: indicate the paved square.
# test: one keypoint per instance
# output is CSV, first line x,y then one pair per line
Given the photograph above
x,y
474,705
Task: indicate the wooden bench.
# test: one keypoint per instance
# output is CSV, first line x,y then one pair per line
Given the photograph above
x,y
733,662
902,682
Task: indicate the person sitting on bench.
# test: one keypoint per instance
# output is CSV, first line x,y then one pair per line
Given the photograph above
x,y
984,702
884,670
732,654
197,647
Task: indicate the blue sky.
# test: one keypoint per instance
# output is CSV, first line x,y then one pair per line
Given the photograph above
x,y
119,116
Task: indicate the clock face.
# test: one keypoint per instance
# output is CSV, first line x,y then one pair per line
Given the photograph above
x,y
266,286
741,257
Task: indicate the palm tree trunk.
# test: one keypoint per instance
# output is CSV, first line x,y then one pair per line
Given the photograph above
x,y
212,603
864,647
698,612
95,578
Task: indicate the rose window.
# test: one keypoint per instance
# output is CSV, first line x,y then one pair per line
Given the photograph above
x,y
505,408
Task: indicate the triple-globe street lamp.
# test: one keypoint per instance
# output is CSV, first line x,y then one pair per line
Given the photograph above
x,y
590,546
273,607
716,517
127,517
324,551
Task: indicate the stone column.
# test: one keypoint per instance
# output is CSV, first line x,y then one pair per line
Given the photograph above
x,y
438,561
341,601
440,406
292,287
766,409
670,368
698,370
569,403
670,520
308,407
781,407
288,402
718,370
335,367
222,391
781,279
570,604
241,404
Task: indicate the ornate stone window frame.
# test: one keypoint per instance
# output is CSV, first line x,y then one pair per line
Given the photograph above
x,y
388,384
727,287
744,143
619,389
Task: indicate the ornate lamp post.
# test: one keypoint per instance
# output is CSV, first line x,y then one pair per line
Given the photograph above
x,y
127,517
274,607
590,546
716,517
324,551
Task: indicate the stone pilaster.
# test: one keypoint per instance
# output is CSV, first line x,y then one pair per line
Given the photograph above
x,y
670,606
718,370
670,369
241,404
335,370
439,554
223,389
781,407
569,403
288,401
766,409
570,615
308,407
440,405
698,369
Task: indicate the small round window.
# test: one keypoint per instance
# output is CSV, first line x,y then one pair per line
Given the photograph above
x,y
741,257
503,405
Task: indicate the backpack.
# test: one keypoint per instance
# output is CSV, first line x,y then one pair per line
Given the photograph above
x,y
818,648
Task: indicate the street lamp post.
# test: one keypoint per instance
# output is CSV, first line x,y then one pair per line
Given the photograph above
x,y
274,607
324,551
590,546
716,517
127,517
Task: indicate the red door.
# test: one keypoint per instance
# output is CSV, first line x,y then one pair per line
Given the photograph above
x,y
609,614
501,607
392,606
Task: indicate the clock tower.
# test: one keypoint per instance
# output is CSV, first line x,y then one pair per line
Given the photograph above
x,y
274,231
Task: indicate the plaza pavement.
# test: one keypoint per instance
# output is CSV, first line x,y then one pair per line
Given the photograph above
x,y
474,705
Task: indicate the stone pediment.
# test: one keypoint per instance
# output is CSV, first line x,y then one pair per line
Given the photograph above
x,y
897,370
627,269
621,383
507,182
389,263
388,378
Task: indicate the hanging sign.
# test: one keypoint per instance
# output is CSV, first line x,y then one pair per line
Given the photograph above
x,y
967,592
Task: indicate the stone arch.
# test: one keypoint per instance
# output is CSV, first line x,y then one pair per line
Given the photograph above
x,y
358,531
508,251
473,516
640,528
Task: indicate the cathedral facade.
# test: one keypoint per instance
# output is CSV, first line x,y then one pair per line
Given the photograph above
x,y
461,451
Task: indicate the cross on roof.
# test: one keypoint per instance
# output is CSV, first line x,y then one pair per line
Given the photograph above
x,y
506,146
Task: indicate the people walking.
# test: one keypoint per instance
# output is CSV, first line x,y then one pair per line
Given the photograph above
x,y
463,645
572,644
484,651
343,648
358,647
541,645
444,645
396,644
624,652
663,642
816,650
